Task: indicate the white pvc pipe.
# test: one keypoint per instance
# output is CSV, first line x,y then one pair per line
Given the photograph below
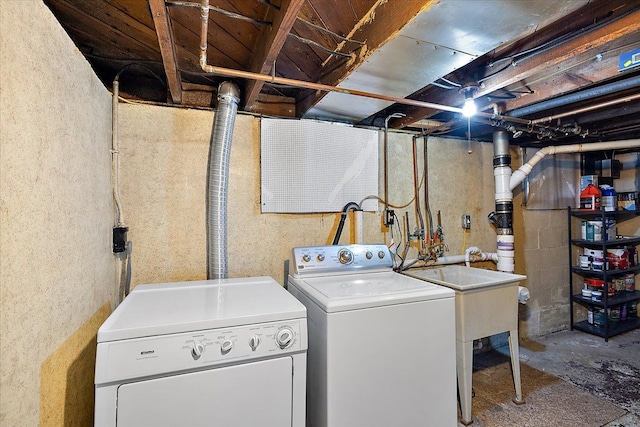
x,y
524,170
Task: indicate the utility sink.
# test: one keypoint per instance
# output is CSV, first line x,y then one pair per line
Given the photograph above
x,y
486,300
486,304
461,278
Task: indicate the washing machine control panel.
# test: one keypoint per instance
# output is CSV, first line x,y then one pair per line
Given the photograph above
x,y
339,258
179,352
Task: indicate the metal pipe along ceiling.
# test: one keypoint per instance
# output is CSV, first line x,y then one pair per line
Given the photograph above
x,y
584,95
217,180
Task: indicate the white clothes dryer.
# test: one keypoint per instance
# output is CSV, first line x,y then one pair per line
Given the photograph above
x,y
381,345
228,352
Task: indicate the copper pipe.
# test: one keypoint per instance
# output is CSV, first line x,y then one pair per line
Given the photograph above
x,y
228,72
319,86
204,32
587,109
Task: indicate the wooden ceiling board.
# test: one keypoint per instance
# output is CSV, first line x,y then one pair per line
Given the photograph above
x,y
108,23
223,48
287,67
237,33
309,52
335,15
138,10
101,38
251,9
305,59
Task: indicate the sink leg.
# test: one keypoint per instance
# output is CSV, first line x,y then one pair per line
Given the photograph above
x,y
514,351
464,362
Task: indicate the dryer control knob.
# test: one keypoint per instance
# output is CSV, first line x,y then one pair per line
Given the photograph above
x,y
284,337
196,351
254,342
226,346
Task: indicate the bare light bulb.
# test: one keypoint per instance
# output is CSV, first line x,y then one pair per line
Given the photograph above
x,y
469,107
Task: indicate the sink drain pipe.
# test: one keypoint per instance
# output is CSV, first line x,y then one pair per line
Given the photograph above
x,y
502,217
218,179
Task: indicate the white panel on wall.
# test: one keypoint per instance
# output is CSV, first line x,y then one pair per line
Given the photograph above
x,y
309,166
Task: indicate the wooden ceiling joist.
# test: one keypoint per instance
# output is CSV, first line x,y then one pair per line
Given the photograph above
x,y
167,48
585,45
269,46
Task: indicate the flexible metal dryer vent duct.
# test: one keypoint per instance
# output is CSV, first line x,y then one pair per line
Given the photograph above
x,y
217,179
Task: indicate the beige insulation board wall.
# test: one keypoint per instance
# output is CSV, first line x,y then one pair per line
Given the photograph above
x,y
164,163
57,269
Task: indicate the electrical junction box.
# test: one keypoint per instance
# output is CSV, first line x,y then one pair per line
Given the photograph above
x,y
629,59
466,222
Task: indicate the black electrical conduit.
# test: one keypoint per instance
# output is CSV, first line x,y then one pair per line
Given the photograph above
x,y
351,206
584,95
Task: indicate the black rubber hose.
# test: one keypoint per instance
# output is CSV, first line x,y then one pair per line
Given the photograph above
x,y
351,206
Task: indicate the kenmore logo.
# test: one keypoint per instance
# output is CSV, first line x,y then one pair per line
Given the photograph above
x,y
143,353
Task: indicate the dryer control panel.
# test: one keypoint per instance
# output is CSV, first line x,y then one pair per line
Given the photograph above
x,y
342,259
149,356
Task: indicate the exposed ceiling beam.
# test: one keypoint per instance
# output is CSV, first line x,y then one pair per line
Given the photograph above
x,y
568,79
269,45
580,48
167,48
379,25
576,51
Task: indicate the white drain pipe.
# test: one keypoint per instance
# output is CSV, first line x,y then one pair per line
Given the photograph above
x,y
524,170
503,215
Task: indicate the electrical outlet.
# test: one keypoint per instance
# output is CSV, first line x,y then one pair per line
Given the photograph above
x,y
466,222
388,217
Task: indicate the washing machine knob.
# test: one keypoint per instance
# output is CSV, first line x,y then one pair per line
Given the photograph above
x,y
369,255
196,351
381,254
254,342
284,337
345,256
306,258
226,346
320,257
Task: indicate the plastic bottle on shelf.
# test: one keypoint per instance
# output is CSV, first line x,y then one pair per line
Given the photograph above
x,y
608,198
590,198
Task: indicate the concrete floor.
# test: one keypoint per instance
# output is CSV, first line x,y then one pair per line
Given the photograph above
x,y
569,377
608,370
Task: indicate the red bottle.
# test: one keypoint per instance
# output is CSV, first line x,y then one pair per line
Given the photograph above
x,y
590,198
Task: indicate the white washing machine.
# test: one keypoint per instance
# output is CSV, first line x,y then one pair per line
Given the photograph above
x,y
381,345
229,352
